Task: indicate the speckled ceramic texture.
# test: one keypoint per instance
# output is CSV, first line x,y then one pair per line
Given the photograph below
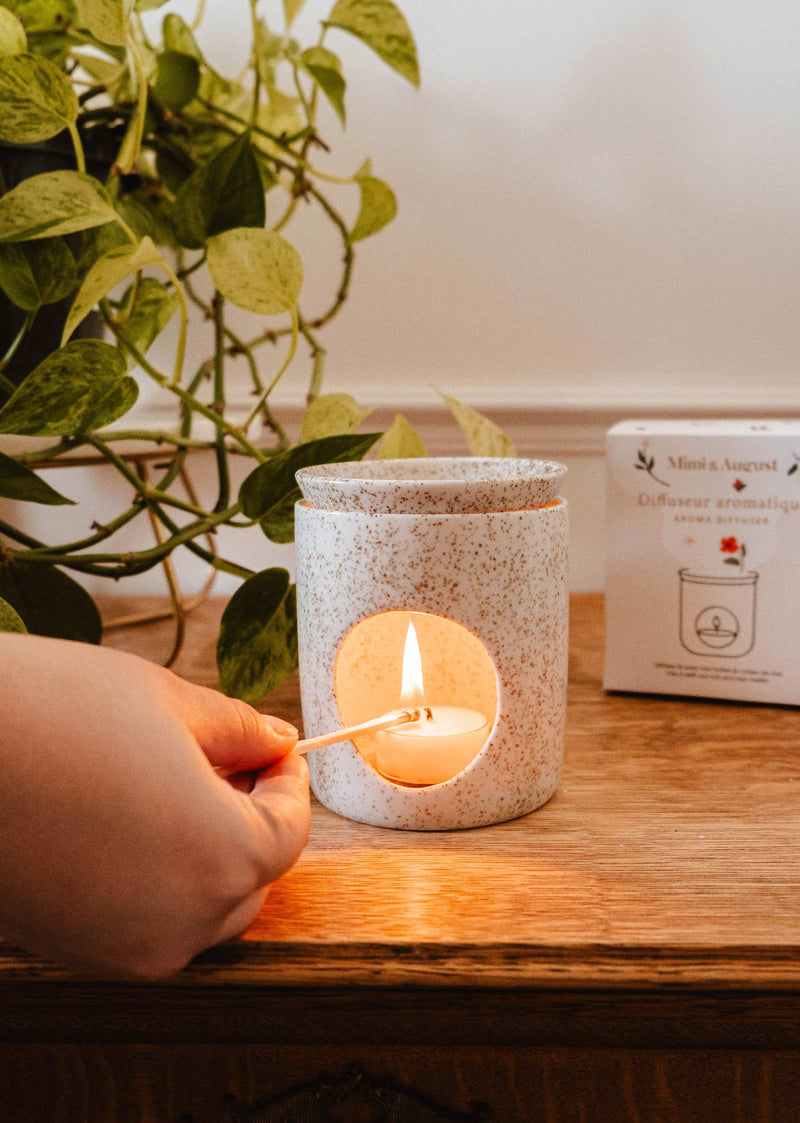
x,y
502,574
443,485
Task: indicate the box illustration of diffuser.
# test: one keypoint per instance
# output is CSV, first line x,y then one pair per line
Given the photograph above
x,y
703,559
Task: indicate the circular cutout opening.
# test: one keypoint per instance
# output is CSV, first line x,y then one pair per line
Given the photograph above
x,y
458,695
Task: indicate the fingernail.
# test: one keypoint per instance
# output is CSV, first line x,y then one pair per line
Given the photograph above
x,y
283,728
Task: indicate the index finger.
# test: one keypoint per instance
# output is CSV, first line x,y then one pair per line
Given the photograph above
x,y
233,735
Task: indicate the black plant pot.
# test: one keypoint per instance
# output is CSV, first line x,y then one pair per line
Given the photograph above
x,y
18,162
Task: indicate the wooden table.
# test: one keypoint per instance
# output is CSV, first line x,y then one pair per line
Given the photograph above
x,y
627,953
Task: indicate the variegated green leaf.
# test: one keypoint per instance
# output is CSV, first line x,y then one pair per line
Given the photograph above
x,y
257,647
401,441
40,17
270,492
177,36
36,273
256,269
382,26
291,9
53,203
176,80
81,387
107,20
282,116
278,524
483,437
326,70
132,141
37,99
378,204
267,52
226,192
331,415
10,620
13,40
19,482
115,76
108,271
49,602
153,307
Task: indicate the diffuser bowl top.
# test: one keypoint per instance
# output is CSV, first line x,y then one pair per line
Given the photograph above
x,y
442,485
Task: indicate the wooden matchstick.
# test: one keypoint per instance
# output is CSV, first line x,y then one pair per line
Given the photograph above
x,y
388,721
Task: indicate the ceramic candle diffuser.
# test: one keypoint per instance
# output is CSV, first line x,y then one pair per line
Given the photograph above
x,y
439,583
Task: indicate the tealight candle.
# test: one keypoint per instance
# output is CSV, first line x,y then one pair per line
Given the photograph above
x,y
432,749
440,744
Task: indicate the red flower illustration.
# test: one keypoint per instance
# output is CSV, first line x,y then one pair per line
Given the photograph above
x,y
729,545
739,484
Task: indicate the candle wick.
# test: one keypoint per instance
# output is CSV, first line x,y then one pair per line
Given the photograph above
x,y
428,713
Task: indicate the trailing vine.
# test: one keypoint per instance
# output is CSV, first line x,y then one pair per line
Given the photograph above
x,y
175,171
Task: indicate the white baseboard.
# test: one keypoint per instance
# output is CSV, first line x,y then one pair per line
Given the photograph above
x,y
545,421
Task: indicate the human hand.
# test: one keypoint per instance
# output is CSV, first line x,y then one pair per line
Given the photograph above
x,y
121,849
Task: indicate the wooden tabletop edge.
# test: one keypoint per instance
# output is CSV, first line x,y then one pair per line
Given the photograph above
x,y
435,966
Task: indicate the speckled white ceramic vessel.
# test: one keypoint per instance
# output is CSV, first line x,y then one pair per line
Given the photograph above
x,y
499,572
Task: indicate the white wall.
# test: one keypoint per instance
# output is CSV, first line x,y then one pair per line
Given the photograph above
x,y
592,193
599,204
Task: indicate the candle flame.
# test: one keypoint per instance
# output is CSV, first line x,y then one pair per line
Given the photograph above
x,y
412,688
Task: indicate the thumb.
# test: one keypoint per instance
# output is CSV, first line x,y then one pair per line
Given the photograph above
x,y
232,734
280,796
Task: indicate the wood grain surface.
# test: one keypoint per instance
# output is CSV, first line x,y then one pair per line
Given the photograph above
x,y
626,954
669,858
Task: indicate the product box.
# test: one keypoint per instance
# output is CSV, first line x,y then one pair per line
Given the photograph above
x,y
703,562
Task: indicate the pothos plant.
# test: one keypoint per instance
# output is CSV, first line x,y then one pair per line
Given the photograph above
x,y
194,170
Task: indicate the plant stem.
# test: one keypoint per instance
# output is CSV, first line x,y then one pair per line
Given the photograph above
x,y
93,90
120,221
344,285
155,436
245,124
281,142
38,547
239,347
198,16
125,312
189,400
287,214
276,379
318,363
301,92
77,144
269,418
103,532
349,256
150,493
180,350
138,561
141,100
213,560
19,535
217,562
14,347
182,274
256,66
218,308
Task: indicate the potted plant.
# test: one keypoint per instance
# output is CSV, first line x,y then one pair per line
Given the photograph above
x,y
165,167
